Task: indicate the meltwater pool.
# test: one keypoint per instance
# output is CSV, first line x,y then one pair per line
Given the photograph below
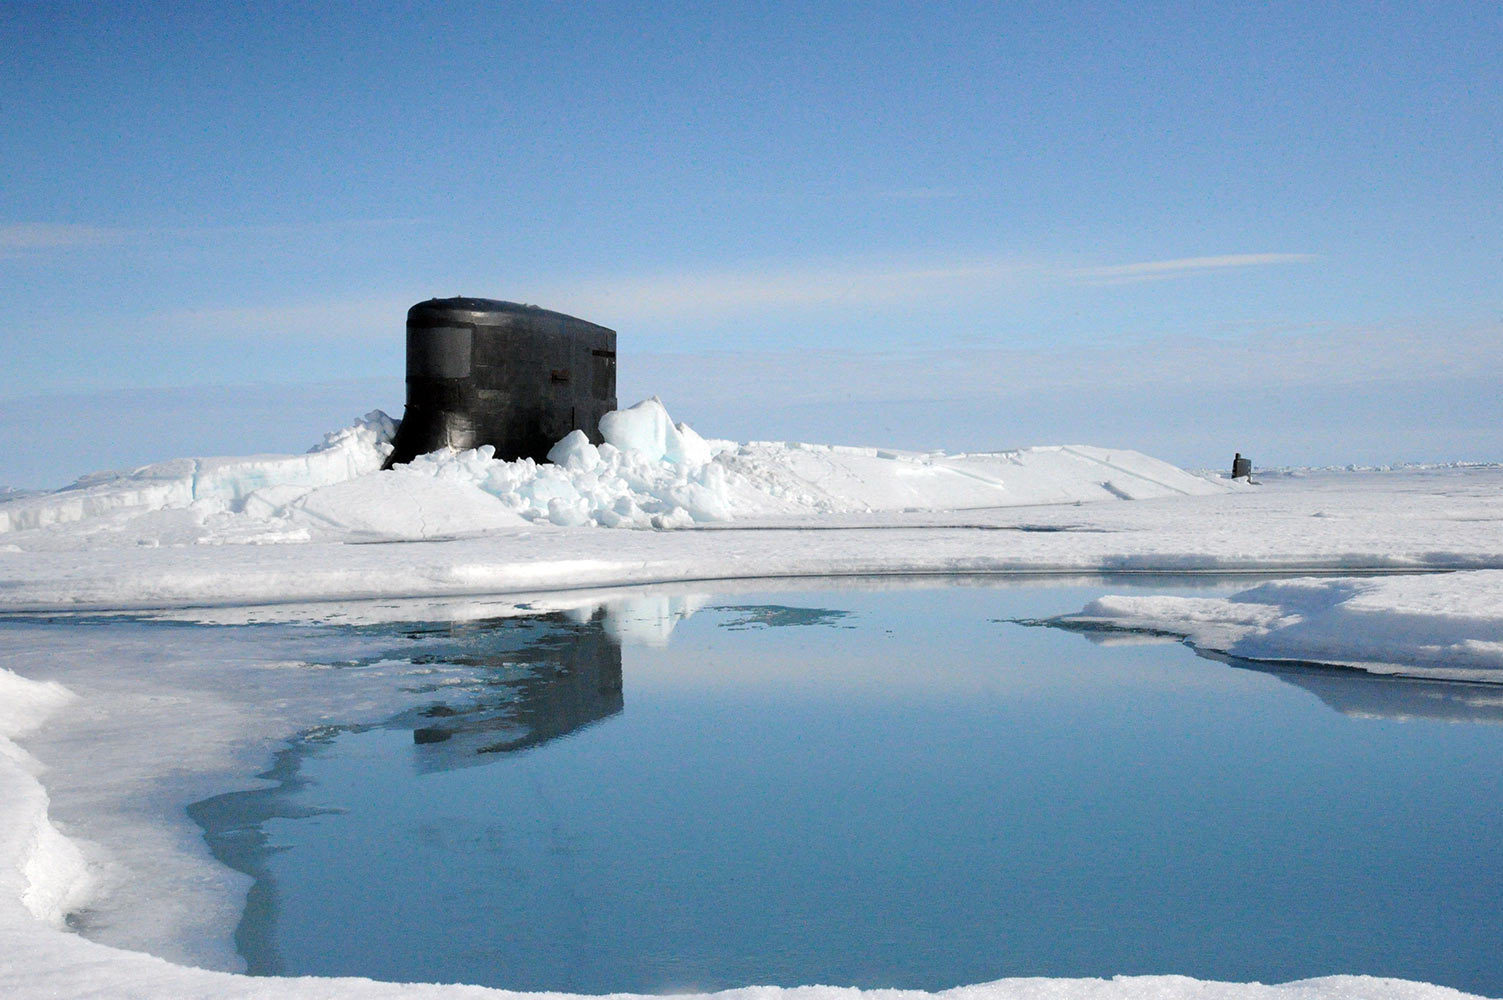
x,y
903,786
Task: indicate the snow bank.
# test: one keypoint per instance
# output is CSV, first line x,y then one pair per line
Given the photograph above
x,y
795,510
647,429
39,868
649,473
220,483
652,473
1323,524
1441,626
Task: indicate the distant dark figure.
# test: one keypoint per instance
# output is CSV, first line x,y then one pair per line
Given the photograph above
x,y
1241,467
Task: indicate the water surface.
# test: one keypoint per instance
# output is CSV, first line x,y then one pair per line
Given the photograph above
x,y
878,788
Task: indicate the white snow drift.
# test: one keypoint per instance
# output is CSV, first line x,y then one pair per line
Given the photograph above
x,y
648,473
214,483
1445,625
479,526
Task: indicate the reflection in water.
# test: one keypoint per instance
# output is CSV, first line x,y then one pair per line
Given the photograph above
x,y
1363,695
1351,691
537,678
568,677
649,620
565,674
501,685
921,800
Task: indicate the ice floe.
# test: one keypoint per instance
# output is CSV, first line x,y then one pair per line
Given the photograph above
x,y
1447,625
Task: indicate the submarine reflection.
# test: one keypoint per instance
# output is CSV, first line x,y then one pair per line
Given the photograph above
x,y
543,677
536,677
567,677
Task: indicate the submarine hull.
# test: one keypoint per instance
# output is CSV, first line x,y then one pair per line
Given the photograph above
x,y
516,377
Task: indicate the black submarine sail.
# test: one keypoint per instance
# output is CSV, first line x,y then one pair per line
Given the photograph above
x,y
516,377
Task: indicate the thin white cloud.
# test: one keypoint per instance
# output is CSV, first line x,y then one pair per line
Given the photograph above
x,y
702,296
1154,270
1324,356
714,293
17,238
705,294
23,239
1324,395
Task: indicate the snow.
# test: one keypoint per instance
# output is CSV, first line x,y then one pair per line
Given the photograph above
x,y
215,483
55,878
232,533
1332,523
648,473
648,430
1446,625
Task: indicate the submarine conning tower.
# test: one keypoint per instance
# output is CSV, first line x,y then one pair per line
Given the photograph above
x,y
516,377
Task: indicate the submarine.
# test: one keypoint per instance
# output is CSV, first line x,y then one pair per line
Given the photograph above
x,y
513,376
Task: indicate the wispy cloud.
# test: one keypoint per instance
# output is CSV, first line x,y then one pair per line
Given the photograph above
x,y
27,239
1324,356
697,294
1329,394
706,293
18,238
1156,270
714,294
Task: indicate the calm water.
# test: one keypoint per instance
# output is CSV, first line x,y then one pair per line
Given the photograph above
x,y
894,788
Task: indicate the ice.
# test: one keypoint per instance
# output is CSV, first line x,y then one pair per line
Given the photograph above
x,y
585,485
217,483
401,503
1446,625
25,705
235,533
232,533
648,430
575,451
650,473
1451,519
43,876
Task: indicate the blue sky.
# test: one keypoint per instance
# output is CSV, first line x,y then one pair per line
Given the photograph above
x,y
1183,228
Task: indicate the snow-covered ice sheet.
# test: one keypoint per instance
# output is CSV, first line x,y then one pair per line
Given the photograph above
x,y
207,485
1447,625
648,473
327,526
1336,522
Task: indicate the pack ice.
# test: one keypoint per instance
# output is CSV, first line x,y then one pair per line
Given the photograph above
x,y
152,537
649,473
1445,626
